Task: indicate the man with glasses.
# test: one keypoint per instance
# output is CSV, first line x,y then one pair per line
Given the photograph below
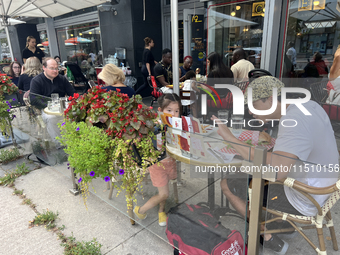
x,y
50,81
44,84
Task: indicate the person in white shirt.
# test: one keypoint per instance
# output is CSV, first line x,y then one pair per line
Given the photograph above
x,y
241,66
291,53
311,140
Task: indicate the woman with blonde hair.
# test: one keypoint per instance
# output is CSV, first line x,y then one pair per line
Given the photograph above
x,y
114,78
32,68
32,50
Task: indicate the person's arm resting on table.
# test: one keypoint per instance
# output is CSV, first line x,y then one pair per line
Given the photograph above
x,y
276,158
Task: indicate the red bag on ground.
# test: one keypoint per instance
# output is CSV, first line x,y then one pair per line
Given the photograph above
x,y
194,231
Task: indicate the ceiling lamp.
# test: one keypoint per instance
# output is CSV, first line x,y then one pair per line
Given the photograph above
x,y
316,2
238,7
233,13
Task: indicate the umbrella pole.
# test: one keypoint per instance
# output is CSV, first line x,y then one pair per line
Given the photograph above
x,y
175,50
9,42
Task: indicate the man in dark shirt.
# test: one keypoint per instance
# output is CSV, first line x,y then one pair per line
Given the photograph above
x,y
163,70
48,82
44,84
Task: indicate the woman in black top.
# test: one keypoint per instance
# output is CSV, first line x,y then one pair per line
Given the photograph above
x,y
14,72
148,62
216,67
33,67
32,50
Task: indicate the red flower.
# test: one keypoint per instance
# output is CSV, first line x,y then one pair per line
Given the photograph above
x,y
140,106
69,98
118,90
151,107
76,95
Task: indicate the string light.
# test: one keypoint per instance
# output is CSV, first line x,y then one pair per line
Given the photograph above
x,y
238,7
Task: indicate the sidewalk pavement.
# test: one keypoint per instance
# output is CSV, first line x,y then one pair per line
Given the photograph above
x,y
49,189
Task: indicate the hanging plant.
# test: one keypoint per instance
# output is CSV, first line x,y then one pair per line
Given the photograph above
x,y
105,133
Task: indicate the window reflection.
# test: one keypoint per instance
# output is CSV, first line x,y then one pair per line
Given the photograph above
x,y
312,32
80,44
231,26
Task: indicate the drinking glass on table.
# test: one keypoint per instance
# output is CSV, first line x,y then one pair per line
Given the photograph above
x,y
223,114
237,123
49,105
55,98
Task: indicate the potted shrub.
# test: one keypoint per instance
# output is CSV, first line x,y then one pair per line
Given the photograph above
x,y
102,133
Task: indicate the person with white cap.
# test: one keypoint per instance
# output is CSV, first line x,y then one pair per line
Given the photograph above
x,y
302,142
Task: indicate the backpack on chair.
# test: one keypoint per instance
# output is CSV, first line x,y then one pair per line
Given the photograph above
x,y
194,231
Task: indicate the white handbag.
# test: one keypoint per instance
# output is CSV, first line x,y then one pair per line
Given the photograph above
x,y
333,97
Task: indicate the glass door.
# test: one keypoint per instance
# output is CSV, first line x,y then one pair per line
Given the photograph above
x,y
194,42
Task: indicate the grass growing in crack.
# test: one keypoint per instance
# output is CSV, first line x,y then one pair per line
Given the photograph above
x,y
27,201
9,178
46,218
9,155
18,192
71,247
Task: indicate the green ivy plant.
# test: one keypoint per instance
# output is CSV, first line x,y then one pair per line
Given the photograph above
x,y
103,134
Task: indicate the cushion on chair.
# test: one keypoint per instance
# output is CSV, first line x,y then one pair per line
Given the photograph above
x,y
333,111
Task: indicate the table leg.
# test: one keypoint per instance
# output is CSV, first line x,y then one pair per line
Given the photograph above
x,y
75,190
211,191
179,173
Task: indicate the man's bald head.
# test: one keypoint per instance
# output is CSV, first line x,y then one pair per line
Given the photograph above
x,y
238,54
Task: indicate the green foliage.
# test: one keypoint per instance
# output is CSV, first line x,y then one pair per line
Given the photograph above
x,y
88,149
27,201
9,155
9,179
47,218
102,134
73,247
18,192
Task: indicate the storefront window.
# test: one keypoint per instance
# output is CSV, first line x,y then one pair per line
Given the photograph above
x,y
44,42
80,44
236,25
312,32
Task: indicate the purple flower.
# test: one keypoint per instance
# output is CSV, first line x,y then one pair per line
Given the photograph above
x,y
68,164
80,179
7,102
63,124
92,173
121,171
77,129
13,99
107,178
8,110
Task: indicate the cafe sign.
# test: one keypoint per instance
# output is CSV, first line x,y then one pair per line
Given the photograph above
x,y
308,5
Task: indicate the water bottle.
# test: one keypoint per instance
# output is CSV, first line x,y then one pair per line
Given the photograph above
x,y
123,69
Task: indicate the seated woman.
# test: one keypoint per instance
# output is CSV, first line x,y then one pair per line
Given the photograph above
x,y
14,72
114,78
32,68
319,63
